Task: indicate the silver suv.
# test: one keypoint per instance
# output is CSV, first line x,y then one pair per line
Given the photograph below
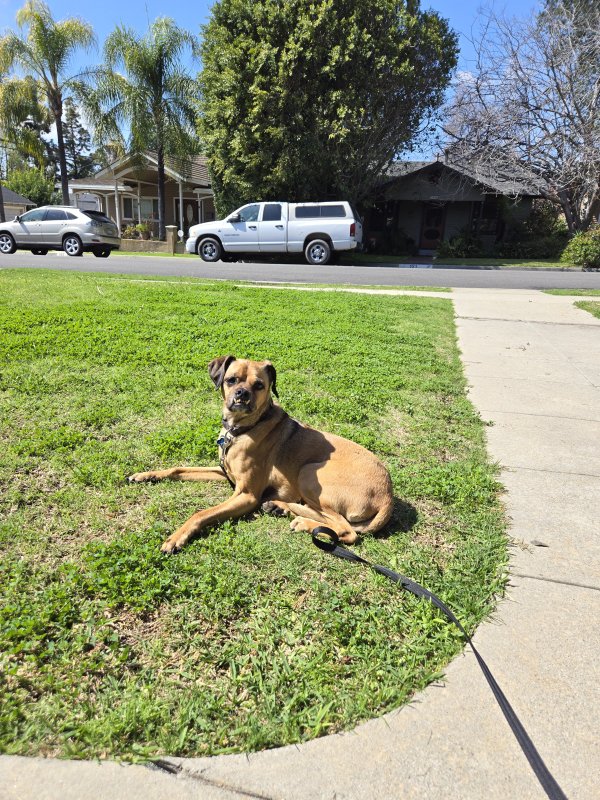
x,y
60,228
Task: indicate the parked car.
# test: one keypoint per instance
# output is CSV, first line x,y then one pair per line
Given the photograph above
x,y
60,228
319,230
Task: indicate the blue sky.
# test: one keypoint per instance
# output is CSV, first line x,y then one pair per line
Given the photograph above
x,y
106,14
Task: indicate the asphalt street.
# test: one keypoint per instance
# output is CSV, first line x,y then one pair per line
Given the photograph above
x,y
368,275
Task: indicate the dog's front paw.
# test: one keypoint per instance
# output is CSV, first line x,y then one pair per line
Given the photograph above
x,y
143,477
171,545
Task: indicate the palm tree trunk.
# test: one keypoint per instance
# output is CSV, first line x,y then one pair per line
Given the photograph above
x,y
162,233
62,158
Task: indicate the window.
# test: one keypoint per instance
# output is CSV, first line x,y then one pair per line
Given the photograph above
x,y
249,213
98,216
148,208
311,212
333,211
128,208
55,214
37,215
272,212
486,216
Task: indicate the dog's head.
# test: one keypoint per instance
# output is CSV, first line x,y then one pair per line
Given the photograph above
x,y
246,385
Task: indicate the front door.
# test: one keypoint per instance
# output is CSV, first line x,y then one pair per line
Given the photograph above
x,y
190,214
432,226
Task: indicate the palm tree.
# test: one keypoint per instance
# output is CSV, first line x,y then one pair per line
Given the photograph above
x,y
43,50
22,119
153,97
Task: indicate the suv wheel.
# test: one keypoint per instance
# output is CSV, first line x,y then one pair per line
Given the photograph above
x,y
7,244
72,245
209,249
317,252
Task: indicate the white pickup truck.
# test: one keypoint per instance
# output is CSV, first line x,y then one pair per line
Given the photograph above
x,y
319,230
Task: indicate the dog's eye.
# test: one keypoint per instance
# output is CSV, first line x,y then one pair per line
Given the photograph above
x,y
231,381
259,385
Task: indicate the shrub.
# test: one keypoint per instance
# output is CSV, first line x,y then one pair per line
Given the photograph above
x,y
550,246
584,249
33,184
463,245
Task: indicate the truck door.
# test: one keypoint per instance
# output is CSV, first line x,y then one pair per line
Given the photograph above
x,y
272,228
239,232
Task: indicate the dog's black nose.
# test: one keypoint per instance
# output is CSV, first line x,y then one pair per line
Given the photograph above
x,y
241,394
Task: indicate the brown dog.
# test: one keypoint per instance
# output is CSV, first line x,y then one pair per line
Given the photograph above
x,y
289,468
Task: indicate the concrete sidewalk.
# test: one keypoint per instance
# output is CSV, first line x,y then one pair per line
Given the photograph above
x,y
533,364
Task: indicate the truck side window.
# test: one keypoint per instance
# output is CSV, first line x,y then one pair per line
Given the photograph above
x,y
249,213
272,212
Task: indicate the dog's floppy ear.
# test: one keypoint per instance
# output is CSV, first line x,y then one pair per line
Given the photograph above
x,y
217,369
272,373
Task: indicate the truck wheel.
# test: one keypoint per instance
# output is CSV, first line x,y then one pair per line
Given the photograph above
x,y
72,245
209,249
7,244
317,252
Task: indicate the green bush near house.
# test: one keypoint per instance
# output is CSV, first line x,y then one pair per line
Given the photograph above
x,y
584,249
463,245
33,184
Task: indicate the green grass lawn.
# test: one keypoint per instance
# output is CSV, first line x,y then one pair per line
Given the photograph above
x,y
250,637
592,307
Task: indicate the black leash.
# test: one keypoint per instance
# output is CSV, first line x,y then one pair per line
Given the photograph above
x,y
327,540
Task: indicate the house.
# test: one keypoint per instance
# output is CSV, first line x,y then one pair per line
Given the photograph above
x,y
15,203
127,191
420,204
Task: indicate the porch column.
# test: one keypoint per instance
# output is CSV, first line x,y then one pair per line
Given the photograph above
x,y
181,228
199,208
117,207
139,203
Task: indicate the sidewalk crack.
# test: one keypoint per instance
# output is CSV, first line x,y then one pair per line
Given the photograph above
x,y
180,770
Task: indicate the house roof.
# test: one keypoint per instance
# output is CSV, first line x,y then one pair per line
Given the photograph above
x,y
96,185
191,171
511,181
12,198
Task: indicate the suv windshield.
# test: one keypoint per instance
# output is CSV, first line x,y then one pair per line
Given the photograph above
x,y
98,216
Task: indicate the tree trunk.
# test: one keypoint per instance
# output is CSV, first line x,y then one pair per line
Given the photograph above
x,y
161,194
62,158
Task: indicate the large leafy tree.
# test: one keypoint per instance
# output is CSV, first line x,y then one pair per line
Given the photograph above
x,y
305,99
43,48
152,97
